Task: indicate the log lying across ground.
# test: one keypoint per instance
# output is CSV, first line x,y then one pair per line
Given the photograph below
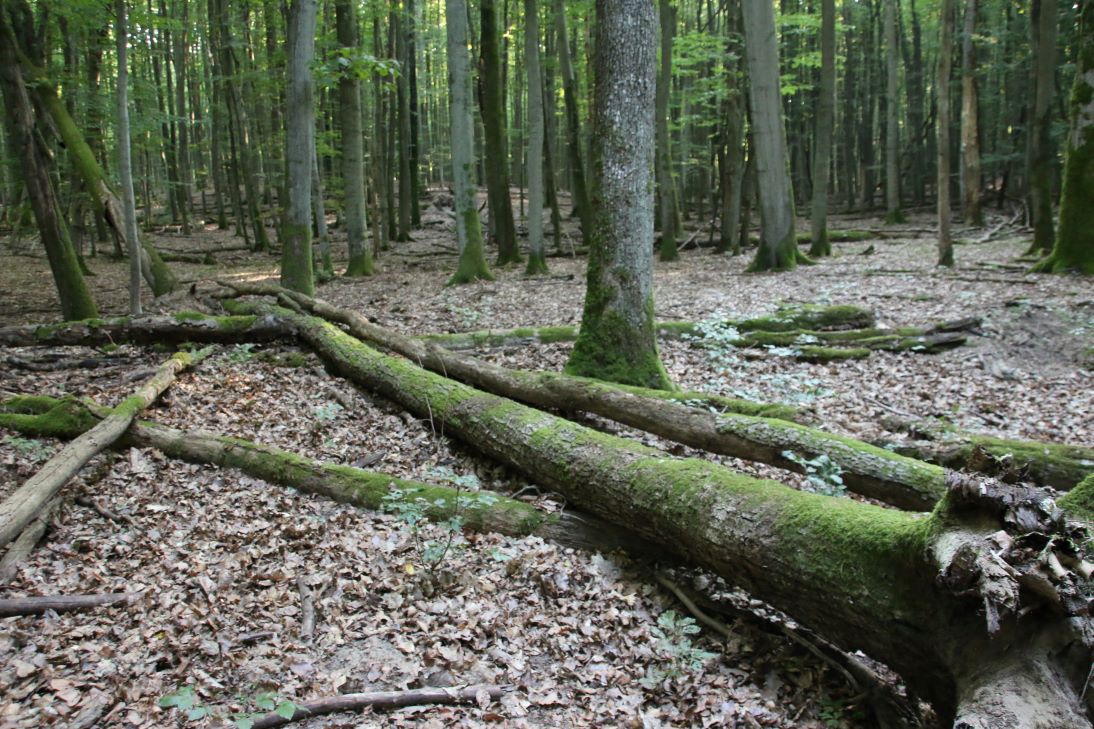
x,y
19,509
479,511
905,588
182,327
810,333
10,607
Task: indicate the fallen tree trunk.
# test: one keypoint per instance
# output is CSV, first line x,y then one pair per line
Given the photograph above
x,y
17,511
480,511
904,588
1050,464
21,548
13,606
867,469
181,327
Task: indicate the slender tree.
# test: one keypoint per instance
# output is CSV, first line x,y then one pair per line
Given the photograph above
x,y
352,147
1038,139
970,121
778,242
665,183
826,107
472,265
496,146
1074,249
297,271
125,165
942,126
616,341
537,260
893,213
581,205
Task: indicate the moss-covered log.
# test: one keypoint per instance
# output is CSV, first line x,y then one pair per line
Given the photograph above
x,y
20,508
871,471
866,577
480,511
181,327
1049,464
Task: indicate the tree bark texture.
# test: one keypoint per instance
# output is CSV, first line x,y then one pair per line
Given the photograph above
x,y
537,260
125,164
826,108
1038,140
353,156
942,126
297,271
893,213
580,197
472,265
496,142
616,341
778,244
666,185
970,121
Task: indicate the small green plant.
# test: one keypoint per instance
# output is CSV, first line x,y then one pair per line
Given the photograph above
x,y
186,700
413,511
679,656
838,713
327,412
31,448
241,353
824,475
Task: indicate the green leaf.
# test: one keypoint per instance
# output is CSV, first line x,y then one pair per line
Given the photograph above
x,y
286,709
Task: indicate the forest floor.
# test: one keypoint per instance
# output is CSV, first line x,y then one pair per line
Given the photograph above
x,y
219,557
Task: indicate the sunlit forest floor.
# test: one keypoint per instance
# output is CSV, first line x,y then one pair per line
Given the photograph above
x,y
219,556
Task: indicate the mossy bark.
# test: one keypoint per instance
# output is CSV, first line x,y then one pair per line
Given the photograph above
x,y
616,341
1074,249
860,575
19,508
182,327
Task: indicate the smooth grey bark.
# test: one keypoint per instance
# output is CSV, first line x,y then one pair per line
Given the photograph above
x,y
893,212
496,151
616,341
407,192
326,265
537,261
778,244
296,259
352,147
826,108
732,159
666,186
581,203
125,163
472,265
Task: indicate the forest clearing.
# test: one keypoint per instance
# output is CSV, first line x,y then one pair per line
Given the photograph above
x,y
592,363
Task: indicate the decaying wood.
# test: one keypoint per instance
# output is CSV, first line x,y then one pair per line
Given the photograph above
x,y
144,330
20,507
307,608
21,548
13,606
382,700
365,489
830,563
869,470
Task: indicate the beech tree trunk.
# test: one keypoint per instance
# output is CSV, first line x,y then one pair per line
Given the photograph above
x,y
1038,140
893,213
125,165
580,197
537,261
297,272
942,126
353,157
666,185
778,243
826,108
970,121
616,341
496,143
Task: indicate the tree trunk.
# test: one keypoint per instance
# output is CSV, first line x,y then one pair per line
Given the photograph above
x,y
1038,138
472,265
828,562
537,261
34,157
778,243
125,166
826,107
399,28
580,197
915,92
496,152
296,258
353,157
970,121
666,185
1074,248
942,126
20,507
319,215
616,341
893,213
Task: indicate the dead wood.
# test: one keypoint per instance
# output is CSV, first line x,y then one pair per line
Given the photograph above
x,y
859,575
346,484
869,470
21,548
183,327
20,507
382,700
12,606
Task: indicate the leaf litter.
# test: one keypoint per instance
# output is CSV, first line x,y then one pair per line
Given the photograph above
x,y
220,559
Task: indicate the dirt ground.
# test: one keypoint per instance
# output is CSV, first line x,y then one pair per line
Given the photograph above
x,y
221,560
